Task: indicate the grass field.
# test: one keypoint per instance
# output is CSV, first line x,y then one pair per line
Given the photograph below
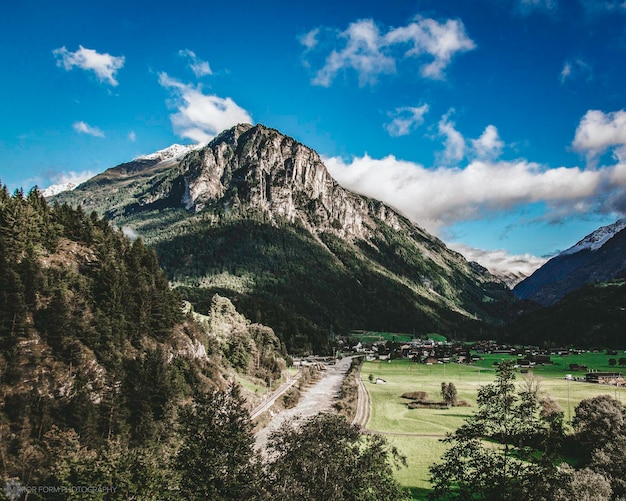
x,y
398,337
417,432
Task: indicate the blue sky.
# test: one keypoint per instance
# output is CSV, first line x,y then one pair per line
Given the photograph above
x,y
498,125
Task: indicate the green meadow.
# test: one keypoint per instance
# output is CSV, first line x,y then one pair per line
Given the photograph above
x,y
397,337
417,432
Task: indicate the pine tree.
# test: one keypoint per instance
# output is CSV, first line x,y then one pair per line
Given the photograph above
x,y
217,459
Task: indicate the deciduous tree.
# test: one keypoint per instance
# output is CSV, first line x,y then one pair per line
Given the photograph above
x,y
324,457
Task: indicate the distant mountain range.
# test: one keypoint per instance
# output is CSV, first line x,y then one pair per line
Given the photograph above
x,y
599,257
255,216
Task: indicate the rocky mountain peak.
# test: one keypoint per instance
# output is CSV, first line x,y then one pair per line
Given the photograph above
x,y
260,168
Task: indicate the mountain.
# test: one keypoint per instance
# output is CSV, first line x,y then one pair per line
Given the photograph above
x,y
599,257
256,217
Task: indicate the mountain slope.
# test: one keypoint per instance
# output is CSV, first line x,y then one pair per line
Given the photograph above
x,y
599,257
592,316
97,358
256,216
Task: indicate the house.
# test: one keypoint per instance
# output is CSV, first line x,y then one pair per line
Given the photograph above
x,y
612,378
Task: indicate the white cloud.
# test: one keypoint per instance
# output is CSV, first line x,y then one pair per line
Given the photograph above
x,y
429,37
132,136
575,69
488,145
200,68
72,177
439,197
309,40
371,53
362,52
597,132
85,128
405,119
501,262
199,116
105,66
453,140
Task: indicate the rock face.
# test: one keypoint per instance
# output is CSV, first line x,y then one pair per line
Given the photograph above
x,y
260,168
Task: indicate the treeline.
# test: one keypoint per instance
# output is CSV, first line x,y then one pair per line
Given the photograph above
x,y
593,316
102,375
211,455
64,272
86,319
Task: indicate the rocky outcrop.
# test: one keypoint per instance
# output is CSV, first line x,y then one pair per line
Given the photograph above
x,y
260,168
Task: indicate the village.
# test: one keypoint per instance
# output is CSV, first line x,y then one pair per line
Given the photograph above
x,y
429,351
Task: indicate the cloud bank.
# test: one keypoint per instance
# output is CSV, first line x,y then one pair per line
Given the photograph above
x,y
372,51
105,66
500,262
473,182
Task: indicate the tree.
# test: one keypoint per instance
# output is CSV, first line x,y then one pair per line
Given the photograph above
x,y
324,457
472,469
448,393
597,421
217,460
609,461
582,485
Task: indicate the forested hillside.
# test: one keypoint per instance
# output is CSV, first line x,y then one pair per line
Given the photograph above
x,y
97,358
593,316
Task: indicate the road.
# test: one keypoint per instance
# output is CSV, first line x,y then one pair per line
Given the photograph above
x,y
362,414
318,398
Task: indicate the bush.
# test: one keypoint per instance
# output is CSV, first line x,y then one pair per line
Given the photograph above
x,y
420,396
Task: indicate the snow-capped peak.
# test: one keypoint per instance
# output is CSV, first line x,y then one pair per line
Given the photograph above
x,y
173,151
598,238
55,189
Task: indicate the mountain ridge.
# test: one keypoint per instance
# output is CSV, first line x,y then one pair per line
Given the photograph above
x,y
598,257
294,249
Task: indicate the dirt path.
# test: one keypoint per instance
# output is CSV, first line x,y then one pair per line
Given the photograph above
x,y
318,398
362,415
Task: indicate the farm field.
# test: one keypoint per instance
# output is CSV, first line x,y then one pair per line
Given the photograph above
x,y
417,432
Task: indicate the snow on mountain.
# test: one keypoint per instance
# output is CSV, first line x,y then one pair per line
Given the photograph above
x,y
173,151
596,239
55,189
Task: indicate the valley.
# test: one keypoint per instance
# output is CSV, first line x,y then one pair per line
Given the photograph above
x,y
180,284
